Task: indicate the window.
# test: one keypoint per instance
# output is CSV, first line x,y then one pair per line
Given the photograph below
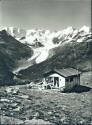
x,y
50,79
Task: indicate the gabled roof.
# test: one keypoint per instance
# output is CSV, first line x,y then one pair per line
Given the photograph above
x,y
64,72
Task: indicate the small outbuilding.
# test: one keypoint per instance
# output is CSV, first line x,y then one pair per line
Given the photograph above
x,y
65,79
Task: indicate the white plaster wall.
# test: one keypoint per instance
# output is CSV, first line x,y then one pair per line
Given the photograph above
x,y
61,79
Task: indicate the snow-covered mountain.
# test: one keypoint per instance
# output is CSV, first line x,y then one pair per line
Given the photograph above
x,y
15,32
51,48
39,37
41,41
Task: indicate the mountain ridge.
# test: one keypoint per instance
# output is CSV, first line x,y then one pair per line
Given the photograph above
x,y
10,55
46,40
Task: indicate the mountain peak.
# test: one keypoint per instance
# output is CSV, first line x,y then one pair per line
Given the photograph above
x,y
68,30
85,29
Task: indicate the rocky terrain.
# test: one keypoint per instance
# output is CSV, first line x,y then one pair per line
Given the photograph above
x,y
26,106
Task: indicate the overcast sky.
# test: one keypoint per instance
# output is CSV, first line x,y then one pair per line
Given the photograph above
x,y
45,14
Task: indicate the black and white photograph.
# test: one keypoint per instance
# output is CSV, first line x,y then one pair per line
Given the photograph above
x,y
45,62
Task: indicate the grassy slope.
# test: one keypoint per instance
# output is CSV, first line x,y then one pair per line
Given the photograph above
x,y
11,51
49,105
77,55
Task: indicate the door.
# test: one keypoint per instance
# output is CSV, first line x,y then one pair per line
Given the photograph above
x,y
56,81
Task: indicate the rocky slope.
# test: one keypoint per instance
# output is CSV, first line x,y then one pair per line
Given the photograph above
x,y
11,52
21,105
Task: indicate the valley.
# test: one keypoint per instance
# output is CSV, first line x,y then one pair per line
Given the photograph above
x,y
24,57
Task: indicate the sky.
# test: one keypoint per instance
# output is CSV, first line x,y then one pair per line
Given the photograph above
x,y
45,14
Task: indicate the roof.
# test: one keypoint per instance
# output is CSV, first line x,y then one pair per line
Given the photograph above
x,y
65,72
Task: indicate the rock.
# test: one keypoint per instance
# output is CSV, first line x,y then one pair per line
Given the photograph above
x,y
8,89
50,113
10,120
4,100
17,109
13,90
37,122
24,96
82,122
13,104
36,114
63,119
